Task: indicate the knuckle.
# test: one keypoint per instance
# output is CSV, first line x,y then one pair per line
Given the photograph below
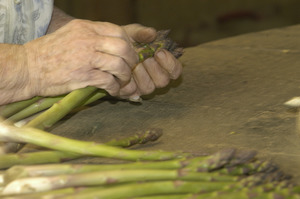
x,y
118,30
123,72
123,47
77,23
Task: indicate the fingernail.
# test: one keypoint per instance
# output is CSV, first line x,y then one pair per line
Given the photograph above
x,y
135,98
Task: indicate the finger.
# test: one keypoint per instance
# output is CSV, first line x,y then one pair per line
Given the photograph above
x,y
112,64
169,63
129,89
98,79
117,47
105,81
159,75
143,80
140,33
111,30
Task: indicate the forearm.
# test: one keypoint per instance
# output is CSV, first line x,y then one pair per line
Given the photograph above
x,y
59,19
14,76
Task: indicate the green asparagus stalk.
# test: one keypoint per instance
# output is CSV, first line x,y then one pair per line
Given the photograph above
x,y
191,164
17,172
34,108
214,189
9,160
249,168
50,194
150,135
62,108
38,184
42,157
59,110
45,103
169,196
248,194
10,109
57,193
41,138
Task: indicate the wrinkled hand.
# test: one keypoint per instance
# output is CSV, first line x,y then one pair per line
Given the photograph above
x,y
154,72
85,53
81,53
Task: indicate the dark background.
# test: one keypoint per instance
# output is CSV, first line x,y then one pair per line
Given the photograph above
x,y
192,21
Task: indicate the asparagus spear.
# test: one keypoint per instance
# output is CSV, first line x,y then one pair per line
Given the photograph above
x,y
10,109
215,190
191,164
36,107
41,138
62,108
37,184
141,138
42,157
17,172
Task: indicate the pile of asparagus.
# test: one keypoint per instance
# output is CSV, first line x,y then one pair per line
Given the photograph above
x,y
149,174
144,174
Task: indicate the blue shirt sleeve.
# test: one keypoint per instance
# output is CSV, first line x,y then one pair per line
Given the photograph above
x,y
22,21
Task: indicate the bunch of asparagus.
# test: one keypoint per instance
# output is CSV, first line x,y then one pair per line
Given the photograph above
x,y
151,174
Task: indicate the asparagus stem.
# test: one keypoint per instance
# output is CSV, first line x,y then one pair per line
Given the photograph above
x,y
36,107
10,109
53,169
154,188
38,195
9,160
38,184
141,138
41,138
96,96
62,108
53,193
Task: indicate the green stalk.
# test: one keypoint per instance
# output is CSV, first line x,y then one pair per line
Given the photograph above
x,y
41,138
96,96
151,188
62,108
38,184
10,109
193,189
34,108
141,138
249,168
52,194
17,172
9,160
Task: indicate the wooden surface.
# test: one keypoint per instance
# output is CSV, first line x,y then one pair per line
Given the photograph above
x,y
231,94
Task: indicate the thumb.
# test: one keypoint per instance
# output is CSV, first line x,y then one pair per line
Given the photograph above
x,y
140,33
